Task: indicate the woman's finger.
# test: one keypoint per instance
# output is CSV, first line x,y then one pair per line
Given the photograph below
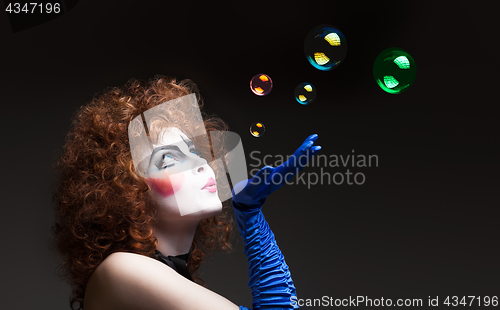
x,y
300,158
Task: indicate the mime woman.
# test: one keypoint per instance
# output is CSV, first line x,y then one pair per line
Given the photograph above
x,y
137,205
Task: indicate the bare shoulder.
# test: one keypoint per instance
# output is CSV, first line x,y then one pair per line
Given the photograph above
x,y
108,285
122,264
132,281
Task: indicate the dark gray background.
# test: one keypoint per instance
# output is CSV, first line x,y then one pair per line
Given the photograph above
x,y
425,223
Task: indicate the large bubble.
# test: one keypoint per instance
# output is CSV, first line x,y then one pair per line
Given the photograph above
x,y
394,70
325,47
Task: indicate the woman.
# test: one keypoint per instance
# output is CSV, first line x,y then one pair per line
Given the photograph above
x,y
136,200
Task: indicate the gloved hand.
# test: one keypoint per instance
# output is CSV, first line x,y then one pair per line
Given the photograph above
x,y
270,280
250,194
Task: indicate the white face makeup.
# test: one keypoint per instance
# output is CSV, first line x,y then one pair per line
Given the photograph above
x,y
182,181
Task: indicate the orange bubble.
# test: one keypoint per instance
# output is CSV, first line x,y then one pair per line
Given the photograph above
x,y
257,129
261,84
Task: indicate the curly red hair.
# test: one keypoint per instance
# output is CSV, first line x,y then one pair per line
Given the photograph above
x,y
102,204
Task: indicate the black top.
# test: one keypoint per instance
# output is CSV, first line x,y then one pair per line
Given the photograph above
x,y
178,263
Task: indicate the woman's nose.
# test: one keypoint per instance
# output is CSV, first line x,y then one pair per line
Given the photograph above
x,y
200,165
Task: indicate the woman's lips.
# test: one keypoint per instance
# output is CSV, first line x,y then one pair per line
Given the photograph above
x,y
210,186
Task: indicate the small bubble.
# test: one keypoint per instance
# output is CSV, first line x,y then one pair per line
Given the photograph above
x,y
261,84
394,70
305,93
325,47
257,129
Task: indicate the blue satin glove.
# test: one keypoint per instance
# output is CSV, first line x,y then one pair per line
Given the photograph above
x,y
270,280
250,194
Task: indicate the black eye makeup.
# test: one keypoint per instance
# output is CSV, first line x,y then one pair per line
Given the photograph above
x,y
196,152
167,156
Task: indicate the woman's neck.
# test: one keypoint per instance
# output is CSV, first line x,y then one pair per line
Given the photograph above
x,y
175,238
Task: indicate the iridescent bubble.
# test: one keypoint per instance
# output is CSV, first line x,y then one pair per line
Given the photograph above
x,y
257,129
261,84
305,93
394,70
325,47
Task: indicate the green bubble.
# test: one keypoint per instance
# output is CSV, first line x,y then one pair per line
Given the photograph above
x,y
394,70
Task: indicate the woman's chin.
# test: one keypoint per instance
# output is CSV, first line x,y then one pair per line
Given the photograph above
x,y
208,211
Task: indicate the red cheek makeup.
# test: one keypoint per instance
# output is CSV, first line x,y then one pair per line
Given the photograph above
x,y
166,185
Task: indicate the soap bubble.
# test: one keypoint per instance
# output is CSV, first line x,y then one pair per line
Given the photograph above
x,y
394,70
261,84
257,129
305,93
325,47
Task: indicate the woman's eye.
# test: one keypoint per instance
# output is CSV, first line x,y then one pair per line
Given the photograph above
x,y
168,161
